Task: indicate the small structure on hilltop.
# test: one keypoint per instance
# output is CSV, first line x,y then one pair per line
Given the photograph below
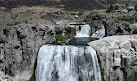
x,y
76,16
130,7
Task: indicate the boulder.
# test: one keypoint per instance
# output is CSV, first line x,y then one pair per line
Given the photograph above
x,y
117,57
19,46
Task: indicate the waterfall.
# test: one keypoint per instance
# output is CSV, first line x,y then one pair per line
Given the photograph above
x,y
67,63
99,33
83,31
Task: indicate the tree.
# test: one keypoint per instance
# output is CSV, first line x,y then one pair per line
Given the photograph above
x,y
136,8
126,5
116,7
110,9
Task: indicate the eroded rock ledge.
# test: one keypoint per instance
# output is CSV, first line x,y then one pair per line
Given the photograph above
x,y
18,50
118,57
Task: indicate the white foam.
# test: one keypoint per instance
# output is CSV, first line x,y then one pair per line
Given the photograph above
x,y
83,31
99,33
67,63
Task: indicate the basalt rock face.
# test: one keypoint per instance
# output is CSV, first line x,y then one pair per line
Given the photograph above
x,y
18,50
117,57
112,25
115,27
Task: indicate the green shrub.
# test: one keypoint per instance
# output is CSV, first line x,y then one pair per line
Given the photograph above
x,y
110,9
70,31
61,38
16,23
126,5
12,24
91,31
127,18
73,13
102,76
80,13
119,33
136,8
92,24
116,7
32,77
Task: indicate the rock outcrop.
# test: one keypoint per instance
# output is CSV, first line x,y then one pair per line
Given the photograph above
x,y
116,27
18,50
117,57
112,25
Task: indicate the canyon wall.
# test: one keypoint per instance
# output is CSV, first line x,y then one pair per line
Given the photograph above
x,y
19,46
117,57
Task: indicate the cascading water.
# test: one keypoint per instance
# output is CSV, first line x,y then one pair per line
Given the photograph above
x,y
99,33
83,31
67,63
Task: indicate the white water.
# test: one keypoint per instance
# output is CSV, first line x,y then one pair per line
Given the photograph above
x,y
67,63
83,31
99,33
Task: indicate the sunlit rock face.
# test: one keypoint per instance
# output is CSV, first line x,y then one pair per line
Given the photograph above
x,y
67,63
118,57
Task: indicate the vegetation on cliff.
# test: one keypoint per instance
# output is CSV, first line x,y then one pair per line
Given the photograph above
x,y
127,18
112,8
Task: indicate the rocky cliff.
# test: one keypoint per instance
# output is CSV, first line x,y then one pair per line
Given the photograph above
x,y
117,57
112,25
116,27
18,50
